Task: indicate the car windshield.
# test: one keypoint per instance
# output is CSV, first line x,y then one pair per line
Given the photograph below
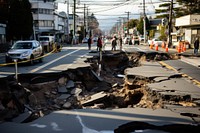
x,y
24,45
44,39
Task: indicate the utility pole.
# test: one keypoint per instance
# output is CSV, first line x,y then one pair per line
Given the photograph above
x,y
170,24
144,21
84,32
74,31
127,22
68,21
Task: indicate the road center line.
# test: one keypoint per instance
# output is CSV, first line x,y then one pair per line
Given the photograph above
x,y
43,66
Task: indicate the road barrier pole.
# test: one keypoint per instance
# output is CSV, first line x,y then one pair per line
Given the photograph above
x,y
16,69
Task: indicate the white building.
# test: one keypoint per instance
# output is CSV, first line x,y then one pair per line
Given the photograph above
x,y
189,27
60,26
43,16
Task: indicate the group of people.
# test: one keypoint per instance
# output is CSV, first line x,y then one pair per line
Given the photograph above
x,y
100,43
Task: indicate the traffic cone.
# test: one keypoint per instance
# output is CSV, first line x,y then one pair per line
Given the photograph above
x,y
163,44
156,46
151,45
184,48
166,48
179,48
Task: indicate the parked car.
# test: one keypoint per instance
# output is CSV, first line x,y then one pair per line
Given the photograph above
x,y
85,40
154,41
126,40
141,38
25,51
135,40
94,39
47,42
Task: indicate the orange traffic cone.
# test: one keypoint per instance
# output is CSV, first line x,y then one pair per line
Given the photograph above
x,y
163,44
179,49
184,47
156,46
166,48
151,45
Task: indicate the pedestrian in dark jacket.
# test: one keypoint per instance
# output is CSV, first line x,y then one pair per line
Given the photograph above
x,y
196,46
89,42
120,43
114,43
99,44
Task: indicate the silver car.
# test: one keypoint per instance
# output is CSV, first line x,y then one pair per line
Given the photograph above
x,y
26,51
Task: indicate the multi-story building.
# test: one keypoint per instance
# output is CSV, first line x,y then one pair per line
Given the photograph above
x,y
60,26
189,27
43,17
47,21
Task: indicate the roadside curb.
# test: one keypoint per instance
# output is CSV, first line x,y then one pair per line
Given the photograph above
x,y
195,61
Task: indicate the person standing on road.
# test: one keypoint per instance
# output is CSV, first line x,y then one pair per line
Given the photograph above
x,y
89,43
196,46
99,44
114,43
130,41
120,43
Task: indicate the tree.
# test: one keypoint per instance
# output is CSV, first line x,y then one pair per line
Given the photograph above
x,y
93,24
132,23
20,21
4,11
187,7
163,35
164,11
140,26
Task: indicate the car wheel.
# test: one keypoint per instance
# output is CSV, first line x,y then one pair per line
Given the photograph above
x,y
41,58
31,61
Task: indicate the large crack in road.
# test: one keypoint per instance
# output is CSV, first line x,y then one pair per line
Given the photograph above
x,y
118,86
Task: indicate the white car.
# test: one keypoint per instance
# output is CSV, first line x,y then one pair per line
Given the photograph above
x,y
25,51
126,40
155,41
85,40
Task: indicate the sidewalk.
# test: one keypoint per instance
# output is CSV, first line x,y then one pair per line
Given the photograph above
x,y
187,56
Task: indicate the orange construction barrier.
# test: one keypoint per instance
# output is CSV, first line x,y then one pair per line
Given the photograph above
x,y
156,46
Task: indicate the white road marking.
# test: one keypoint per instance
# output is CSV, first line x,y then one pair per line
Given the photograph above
x,y
45,65
89,130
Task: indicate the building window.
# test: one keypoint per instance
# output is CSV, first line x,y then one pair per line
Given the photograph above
x,y
46,23
44,11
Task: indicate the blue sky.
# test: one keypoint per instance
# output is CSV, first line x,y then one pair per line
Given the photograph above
x,y
108,11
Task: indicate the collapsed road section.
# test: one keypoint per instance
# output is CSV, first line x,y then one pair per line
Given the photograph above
x,y
131,87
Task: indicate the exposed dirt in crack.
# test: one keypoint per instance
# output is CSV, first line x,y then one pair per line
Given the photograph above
x,y
81,87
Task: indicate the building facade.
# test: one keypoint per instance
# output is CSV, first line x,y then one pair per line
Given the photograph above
x,y
189,27
43,17
2,33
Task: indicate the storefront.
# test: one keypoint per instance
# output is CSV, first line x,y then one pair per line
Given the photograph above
x,y
189,27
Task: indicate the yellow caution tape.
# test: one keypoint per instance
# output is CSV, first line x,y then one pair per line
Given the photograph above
x,y
12,63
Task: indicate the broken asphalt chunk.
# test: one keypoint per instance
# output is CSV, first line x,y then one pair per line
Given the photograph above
x,y
98,97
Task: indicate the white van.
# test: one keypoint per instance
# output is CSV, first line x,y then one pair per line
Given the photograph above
x,y
47,42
